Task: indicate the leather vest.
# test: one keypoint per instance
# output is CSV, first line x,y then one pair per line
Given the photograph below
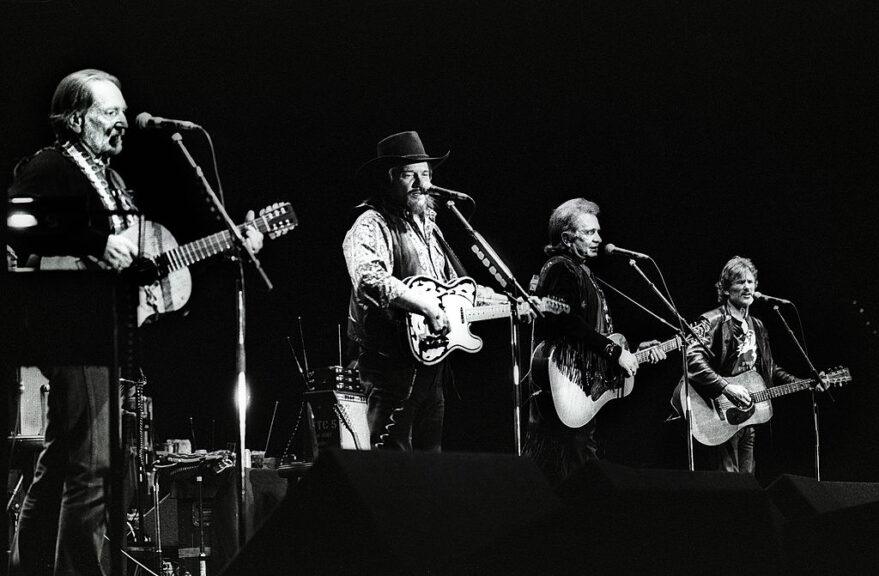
x,y
381,330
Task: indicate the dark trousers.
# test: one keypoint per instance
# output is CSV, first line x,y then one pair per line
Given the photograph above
x,y
405,403
63,518
737,453
556,449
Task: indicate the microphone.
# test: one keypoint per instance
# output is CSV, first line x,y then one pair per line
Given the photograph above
x,y
768,298
612,250
446,194
146,121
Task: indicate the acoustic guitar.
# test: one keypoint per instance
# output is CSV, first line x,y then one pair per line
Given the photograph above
x,y
162,269
715,421
575,402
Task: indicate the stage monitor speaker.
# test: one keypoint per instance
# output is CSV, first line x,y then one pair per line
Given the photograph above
x,y
800,497
831,526
836,543
620,520
377,512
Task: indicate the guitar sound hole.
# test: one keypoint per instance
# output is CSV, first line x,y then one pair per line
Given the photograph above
x,y
145,271
739,415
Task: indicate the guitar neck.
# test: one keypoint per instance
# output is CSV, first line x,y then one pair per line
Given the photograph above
x,y
489,312
666,346
492,311
196,251
776,391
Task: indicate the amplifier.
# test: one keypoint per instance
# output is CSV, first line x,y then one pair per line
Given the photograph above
x,y
339,419
334,378
32,402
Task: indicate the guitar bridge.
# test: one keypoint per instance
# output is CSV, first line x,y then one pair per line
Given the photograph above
x,y
432,342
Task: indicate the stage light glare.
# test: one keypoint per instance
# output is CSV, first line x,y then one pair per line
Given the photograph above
x,y
21,220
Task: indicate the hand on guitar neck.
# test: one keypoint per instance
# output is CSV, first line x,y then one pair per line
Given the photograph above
x,y
653,351
252,236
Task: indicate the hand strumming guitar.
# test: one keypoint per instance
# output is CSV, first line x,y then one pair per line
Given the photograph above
x,y
738,395
413,301
119,252
628,362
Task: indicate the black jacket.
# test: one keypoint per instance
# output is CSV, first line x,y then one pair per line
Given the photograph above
x,y
82,223
714,329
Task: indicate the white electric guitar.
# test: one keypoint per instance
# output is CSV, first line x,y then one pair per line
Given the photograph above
x,y
458,300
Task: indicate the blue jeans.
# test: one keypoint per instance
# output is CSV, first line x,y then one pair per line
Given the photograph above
x,y
405,403
63,517
737,453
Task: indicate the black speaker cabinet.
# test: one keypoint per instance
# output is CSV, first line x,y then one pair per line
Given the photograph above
x,y
831,527
376,512
800,497
180,523
620,520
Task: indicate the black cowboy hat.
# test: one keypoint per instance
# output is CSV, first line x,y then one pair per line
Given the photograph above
x,y
398,150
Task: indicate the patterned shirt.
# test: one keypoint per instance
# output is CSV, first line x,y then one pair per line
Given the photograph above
x,y
370,258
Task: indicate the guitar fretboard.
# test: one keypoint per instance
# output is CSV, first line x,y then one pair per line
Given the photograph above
x,y
776,391
489,312
666,346
193,252
493,311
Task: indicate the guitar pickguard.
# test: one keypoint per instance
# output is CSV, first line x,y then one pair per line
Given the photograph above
x,y
427,346
458,300
736,416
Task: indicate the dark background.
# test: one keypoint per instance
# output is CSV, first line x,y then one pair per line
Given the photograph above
x,y
704,129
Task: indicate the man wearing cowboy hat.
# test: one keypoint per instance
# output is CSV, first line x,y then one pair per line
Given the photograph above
x,y
395,237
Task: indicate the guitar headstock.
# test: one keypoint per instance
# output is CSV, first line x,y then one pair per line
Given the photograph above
x,y
837,377
547,305
553,305
277,219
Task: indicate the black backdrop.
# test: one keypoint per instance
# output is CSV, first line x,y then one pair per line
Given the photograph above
x,y
703,129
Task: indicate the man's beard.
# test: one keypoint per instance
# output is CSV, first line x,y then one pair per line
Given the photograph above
x,y
417,203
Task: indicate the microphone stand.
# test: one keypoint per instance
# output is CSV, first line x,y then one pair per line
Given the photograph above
x,y
511,287
811,391
240,247
684,331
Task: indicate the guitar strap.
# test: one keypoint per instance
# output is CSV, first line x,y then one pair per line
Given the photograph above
x,y
112,195
450,254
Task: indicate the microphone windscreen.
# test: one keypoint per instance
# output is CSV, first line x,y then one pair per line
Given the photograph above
x,y
143,120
